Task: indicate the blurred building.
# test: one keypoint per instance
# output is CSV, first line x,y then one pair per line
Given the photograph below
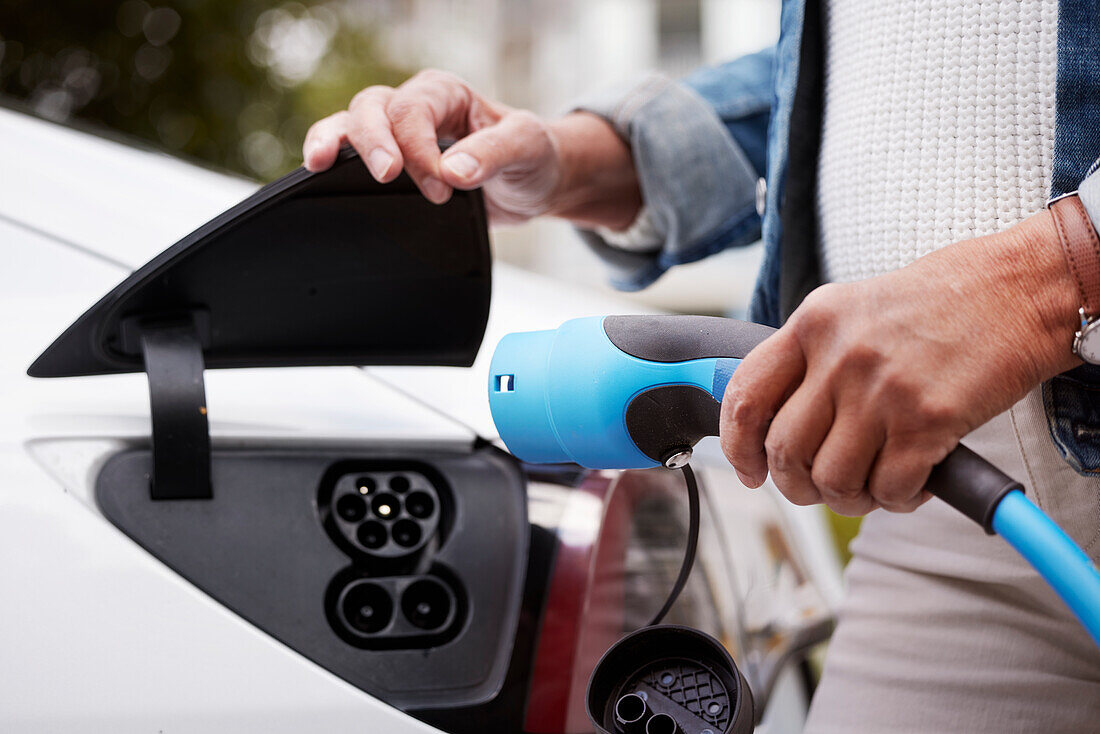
x,y
540,54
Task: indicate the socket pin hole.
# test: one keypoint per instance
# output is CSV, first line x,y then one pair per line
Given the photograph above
x,y
420,504
368,608
351,507
372,534
426,604
406,533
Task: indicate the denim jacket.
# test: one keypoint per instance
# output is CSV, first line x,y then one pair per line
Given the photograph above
x,y
705,146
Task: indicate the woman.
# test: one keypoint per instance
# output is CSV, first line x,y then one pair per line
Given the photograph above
x,y
919,159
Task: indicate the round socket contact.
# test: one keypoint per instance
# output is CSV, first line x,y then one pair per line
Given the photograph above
x,y
630,712
661,724
427,604
386,507
399,483
365,608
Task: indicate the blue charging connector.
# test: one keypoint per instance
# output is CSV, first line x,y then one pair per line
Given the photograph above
x,y
562,395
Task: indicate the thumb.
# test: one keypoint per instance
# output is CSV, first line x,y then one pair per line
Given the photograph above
x,y
520,139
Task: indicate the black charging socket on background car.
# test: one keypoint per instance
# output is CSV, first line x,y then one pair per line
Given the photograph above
x,y
668,679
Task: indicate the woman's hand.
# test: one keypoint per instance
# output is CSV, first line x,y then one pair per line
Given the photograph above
x,y
576,167
870,384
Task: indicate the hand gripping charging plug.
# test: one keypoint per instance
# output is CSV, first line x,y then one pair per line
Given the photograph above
x,y
630,392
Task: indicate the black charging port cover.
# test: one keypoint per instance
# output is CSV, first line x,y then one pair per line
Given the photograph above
x,y
329,268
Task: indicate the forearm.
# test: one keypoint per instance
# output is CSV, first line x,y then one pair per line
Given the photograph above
x,y
698,154
599,185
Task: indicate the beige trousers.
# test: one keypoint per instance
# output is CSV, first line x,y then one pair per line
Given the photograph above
x,y
946,629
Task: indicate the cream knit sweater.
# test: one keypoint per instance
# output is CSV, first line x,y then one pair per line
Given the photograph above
x,y
938,126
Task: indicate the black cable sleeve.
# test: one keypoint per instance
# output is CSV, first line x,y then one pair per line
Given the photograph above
x,y
692,545
971,485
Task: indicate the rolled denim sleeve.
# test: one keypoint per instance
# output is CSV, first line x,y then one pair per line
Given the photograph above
x,y
1089,191
698,148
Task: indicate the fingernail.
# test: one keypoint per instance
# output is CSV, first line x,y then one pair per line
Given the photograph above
x,y
751,482
462,165
307,150
379,162
436,191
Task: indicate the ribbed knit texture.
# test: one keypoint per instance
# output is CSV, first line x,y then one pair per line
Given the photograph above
x,y
938,126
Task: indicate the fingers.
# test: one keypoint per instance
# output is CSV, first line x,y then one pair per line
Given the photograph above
x,y
843,463
371,134
395,129
415,131
431,104
899,475
753,396
793,439
322,142
519,138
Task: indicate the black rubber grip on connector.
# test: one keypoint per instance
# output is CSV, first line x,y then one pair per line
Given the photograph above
x,y
670,418
677,338
971,485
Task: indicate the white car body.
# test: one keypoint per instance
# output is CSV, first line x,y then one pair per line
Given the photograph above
x,y
97,635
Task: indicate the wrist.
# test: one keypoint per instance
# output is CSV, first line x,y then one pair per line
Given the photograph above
x,y
598,186
1017,296
1034,269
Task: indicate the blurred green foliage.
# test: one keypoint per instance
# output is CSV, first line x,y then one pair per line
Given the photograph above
x,y
235,83
844,530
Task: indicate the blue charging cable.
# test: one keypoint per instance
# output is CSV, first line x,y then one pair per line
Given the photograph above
x,y
1053,554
